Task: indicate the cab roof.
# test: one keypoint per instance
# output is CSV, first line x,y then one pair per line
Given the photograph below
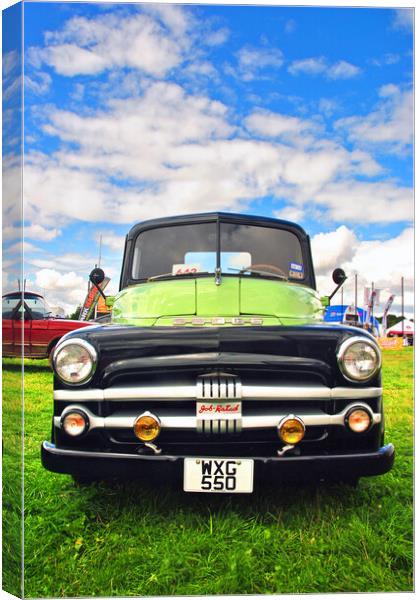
x,y
216,216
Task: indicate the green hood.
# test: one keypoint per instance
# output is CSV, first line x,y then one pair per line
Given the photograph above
x,y
158,302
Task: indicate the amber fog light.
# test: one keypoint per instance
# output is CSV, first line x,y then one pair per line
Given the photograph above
x,y
291,429
358,420
147,427
75,423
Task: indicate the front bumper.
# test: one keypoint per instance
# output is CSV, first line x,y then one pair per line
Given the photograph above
x,y
286,468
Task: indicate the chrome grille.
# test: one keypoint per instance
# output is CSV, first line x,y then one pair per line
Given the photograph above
x,y
223,389
218,386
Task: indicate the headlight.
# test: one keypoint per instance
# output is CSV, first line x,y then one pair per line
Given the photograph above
x,y
358,419
147,427
291,429
74,361
75,422
359,359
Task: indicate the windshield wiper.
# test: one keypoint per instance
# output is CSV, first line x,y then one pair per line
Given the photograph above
x,y
154,277
259,272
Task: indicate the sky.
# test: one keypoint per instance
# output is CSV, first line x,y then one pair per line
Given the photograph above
x,y
136,111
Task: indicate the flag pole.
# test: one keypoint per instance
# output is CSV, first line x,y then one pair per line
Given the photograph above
x,y
402,306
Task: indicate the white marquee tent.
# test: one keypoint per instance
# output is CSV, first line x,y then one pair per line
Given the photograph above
x,y
397,329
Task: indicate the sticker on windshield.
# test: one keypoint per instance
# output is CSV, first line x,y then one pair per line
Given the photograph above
x,y
183,269
296,271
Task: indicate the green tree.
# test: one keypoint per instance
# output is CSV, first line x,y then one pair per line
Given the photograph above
x,y
75,314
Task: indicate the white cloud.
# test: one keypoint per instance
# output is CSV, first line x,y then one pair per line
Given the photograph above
x,y
70,60
216,37
64,289
342,70
311,66
133,161
382,262
290,26
34,231
390,125
385,262
333,249
328,106
290,213
252,61
366,202
388,90
319,66
386,59
113,241
18,247
274,125
39,84
404,19
91,46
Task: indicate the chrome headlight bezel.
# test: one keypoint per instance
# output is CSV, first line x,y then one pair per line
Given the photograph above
x,y
88,348
341,353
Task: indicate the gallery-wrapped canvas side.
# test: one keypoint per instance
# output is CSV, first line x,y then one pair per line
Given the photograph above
x,y
12,406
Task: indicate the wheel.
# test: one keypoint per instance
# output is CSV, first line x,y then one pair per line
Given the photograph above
x,y
51,352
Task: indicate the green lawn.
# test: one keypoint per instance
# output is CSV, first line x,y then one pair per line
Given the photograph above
x,y
122,539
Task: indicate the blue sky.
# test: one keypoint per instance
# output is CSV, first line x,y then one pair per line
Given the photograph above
x,y
139,111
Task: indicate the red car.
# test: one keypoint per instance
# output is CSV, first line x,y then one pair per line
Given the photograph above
x,y
41,331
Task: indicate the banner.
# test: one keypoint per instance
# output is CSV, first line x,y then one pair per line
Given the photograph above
x,y
390,343
92,298
366,296
386,311
370,306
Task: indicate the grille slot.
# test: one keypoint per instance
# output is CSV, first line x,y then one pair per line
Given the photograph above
x,y
218,386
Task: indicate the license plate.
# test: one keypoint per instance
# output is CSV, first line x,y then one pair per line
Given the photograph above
x,y
220,475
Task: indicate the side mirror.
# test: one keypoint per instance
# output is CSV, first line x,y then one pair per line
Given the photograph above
x,y
97,276
339,276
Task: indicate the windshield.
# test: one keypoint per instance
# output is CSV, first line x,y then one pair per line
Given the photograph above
x,y
38,306
192,249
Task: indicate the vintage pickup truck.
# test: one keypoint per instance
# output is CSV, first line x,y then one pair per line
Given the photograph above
x,y
216,367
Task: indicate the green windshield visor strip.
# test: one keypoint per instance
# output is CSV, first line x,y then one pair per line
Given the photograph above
x,y
199,297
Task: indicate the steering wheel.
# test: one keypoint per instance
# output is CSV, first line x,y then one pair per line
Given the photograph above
x,y
262,266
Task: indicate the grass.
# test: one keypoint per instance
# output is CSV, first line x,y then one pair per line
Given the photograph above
x,y
133,539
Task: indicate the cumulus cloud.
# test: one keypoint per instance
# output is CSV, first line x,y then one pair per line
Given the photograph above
x,y
270,124
366,202
133,161
62,289
382,262
91,46
334,248
35,231
113,241
390,125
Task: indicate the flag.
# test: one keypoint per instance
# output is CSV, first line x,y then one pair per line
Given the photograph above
x,y
370,306
366,296
386,311
91,299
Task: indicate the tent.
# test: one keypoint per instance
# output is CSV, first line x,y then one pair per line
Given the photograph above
x,y
397,329
336,314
